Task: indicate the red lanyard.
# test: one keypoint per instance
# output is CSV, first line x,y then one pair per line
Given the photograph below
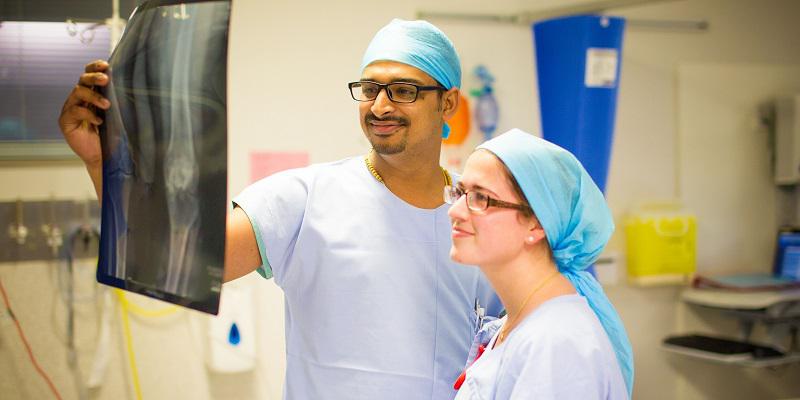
x,y
463,376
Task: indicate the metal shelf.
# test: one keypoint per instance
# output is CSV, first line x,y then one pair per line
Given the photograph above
x,y
744,360
771,308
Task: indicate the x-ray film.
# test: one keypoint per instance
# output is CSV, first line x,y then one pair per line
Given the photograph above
x,y
164,143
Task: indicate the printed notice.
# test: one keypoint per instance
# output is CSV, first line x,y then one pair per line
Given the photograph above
x,y
601,67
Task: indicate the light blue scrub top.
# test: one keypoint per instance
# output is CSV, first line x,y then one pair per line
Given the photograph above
x,y
558,352
375,308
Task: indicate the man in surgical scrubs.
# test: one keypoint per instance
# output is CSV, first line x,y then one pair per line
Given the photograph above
x,y
375,308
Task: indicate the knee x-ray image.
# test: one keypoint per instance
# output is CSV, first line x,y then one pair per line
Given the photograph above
x,y
164,144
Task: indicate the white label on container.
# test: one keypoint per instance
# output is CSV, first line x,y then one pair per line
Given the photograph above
x,y
601,67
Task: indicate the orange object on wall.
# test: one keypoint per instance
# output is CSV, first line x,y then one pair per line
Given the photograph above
x,y
459,123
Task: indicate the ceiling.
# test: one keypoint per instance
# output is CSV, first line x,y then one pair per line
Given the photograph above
x,y
94,10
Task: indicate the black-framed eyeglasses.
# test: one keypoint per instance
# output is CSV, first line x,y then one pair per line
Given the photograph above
x,y
399,92
477,201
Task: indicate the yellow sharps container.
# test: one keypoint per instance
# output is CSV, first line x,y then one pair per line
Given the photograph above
x,y
661,244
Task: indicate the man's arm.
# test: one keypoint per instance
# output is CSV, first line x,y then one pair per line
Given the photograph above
x,y
78,123
241,248
78,120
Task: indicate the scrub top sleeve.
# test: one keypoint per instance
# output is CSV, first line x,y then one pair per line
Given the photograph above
x,y
275,206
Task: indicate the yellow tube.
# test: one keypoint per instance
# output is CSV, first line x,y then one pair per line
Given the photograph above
x,y
126,328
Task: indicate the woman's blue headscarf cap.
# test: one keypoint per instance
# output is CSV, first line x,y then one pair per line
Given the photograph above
x,y
570,207
575,218
418,44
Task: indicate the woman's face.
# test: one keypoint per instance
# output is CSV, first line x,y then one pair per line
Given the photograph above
x,y
493,236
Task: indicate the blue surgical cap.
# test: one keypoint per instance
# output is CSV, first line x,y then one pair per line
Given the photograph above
x,y
575,218
418,44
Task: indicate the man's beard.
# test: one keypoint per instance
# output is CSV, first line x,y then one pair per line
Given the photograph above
x,y
385,148
388,149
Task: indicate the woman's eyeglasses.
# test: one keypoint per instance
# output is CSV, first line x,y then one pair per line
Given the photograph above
x,y
477,201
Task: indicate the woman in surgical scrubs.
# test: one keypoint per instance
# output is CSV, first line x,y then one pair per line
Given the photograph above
x,y
528,214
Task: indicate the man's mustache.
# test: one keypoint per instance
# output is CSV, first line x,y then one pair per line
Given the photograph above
x,y
370,117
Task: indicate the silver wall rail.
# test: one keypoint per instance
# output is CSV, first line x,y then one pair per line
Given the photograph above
x,y
667,25
37,230
527,18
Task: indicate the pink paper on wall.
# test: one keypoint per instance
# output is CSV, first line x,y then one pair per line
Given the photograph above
x,y
263,164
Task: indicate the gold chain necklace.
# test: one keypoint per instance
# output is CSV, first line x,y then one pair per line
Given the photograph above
x,y
506,327
371,168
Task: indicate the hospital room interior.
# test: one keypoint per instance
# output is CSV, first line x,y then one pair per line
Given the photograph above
x,y
697,128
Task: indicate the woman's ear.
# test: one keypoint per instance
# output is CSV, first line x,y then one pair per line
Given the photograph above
x,y
535,234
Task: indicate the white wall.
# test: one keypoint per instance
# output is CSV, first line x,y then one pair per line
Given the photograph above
x,y
289,62
687,129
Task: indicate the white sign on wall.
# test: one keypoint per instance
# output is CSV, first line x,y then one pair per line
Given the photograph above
x,y
601,67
